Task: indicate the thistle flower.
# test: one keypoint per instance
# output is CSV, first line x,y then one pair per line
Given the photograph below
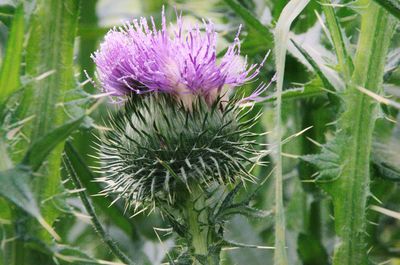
x,y
178,138
155,147
139,58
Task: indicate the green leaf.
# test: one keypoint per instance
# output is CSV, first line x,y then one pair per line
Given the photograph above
x,y
311,89
308,19
392,6
92,32
244,210
14,187
240,230
86,177
6,14
328,161
385,157
250,20
41,148
338,39
63,253
228,200
311,251
89,33
10,68
320,72
393,63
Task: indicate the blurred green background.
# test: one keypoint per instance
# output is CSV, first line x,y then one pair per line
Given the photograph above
x,y
310,228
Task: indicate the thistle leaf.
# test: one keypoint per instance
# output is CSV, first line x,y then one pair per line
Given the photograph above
x,y
14,187
328,160
63,253
252,22
228,200
392,6
311,89
244,210
317,68
40,149
94,219
385,158
392,64
6,14
311,251
339,40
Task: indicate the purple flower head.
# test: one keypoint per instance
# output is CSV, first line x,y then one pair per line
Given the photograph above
x,y
139,58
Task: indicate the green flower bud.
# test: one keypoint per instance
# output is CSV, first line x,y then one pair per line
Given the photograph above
x,y
157,149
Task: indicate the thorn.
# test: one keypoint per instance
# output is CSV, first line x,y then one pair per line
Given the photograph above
x,y
376,199
314,142
379,98
45,75
290,155
386,212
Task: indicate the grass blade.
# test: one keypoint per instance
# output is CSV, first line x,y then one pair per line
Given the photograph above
x,y
10,68
288,15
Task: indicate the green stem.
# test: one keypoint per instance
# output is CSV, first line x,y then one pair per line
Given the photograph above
x,y
16,253
197,232
49,55
17,257
95,220
351,190
199,229
288,15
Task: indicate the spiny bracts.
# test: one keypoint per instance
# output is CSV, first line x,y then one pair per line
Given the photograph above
x,y
156,149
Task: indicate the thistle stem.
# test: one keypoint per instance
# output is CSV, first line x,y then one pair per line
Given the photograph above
x,y
197,232
199,229
355,129
16,256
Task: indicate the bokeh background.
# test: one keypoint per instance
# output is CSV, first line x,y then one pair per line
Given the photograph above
x,y
310,227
